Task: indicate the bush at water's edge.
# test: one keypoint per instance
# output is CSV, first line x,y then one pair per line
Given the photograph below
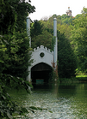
x,y
73,80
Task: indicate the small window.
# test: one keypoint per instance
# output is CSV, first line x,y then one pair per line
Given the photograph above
x,y
42,54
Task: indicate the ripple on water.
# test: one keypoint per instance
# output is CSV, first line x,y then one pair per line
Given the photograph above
x,y
58,107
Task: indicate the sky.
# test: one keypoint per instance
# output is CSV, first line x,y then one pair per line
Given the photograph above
x,y
46,8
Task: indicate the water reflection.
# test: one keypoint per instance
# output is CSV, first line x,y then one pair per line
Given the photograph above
x,y
61,101
66,90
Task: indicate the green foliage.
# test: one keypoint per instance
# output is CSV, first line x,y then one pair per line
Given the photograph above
x,y
19,54
22,9
43,39
69,81
14,60
32,108
64,24
41,35
52,76
15,53
67,19
13,15
36,28
7,106
53,42
79,39
66,58
7,17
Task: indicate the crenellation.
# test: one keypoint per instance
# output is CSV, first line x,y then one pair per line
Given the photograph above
x,y
49,50
45,48
41,46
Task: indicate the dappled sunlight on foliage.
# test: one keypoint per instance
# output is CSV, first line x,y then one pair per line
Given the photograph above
x,y
15,53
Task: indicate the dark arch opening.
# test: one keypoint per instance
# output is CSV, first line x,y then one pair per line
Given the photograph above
x,y
41,71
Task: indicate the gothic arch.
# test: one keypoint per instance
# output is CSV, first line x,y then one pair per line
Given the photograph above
x,y
41,71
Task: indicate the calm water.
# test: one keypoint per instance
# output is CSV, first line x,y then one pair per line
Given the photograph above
x,y
57,101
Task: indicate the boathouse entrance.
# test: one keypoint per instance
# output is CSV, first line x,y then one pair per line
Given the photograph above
x,y
41,71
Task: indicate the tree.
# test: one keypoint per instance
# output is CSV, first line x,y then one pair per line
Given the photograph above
x,y
44,39
65,29
13,13
14,53
36,28
64,24
14,41
66,58
7,17
18,55
79,39
22,9
67,19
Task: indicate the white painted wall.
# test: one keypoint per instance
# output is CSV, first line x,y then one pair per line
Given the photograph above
x,y
47,59
48,56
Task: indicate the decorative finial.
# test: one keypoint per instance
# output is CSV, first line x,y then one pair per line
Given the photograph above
x,y
68,8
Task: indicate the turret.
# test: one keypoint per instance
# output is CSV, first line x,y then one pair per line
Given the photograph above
x,y
28,33
28,29
55,46
69,12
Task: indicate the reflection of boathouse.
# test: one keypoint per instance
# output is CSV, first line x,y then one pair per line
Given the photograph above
x,y
69,12
44,59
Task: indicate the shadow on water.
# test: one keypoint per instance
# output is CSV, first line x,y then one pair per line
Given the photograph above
x,y
40,84
67,90
44,88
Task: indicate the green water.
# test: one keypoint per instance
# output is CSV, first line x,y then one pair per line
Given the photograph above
x,y
57,101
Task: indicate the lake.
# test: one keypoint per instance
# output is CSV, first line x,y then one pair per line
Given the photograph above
x,y
63,101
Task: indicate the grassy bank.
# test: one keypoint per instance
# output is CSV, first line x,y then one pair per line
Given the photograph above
x,y
81,75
